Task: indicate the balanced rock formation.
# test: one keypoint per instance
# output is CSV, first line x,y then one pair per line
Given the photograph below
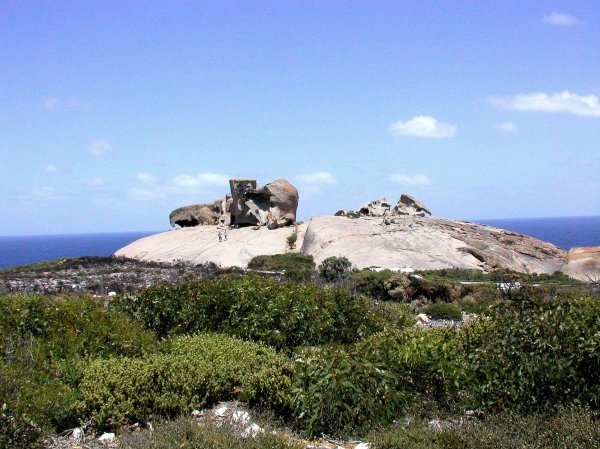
x,y
427,243
375,208
409,205
248,204
583,263
406,205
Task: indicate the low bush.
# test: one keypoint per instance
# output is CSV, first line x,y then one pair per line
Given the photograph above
x,y
570,428
344,389
385,285
45,343
334,269
15,432
443,311
397,315
295,266
283,315
185,434
536,353
196,372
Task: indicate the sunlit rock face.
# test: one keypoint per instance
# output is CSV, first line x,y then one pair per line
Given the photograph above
x,y
247,204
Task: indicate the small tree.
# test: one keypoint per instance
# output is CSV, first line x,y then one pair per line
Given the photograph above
x,y
292,238
335,269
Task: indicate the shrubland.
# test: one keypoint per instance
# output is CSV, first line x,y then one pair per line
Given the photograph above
x,y
341,360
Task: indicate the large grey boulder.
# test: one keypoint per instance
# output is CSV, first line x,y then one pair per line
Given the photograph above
x,y
409,205
248,204
196,214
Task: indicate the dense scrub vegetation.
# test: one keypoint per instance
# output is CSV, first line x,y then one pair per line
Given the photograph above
x,y
340,359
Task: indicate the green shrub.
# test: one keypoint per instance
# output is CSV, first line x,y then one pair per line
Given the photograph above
x,y
443,311
15,432
478,298
292,238
283,315
571,428
397,315
197,372
46,342
186,434
282,262
343,389
334,269
536,353
385,285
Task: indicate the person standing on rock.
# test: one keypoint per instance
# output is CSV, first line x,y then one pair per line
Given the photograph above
x,y
220,236
225,233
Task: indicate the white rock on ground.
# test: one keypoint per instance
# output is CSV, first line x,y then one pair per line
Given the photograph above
x,y
107,438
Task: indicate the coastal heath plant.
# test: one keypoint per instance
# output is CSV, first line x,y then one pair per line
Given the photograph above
x,y
334,269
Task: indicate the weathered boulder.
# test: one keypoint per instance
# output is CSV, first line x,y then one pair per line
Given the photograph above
x,y
409,205
273,205
196,214
248,204
375,208
583,263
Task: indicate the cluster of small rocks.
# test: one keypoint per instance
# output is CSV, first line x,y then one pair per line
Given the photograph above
x,y
423,321
98,275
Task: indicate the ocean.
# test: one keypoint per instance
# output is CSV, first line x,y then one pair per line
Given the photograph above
x,y
564,232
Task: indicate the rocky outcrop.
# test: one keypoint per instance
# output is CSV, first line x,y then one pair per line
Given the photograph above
x,y
427,243
196,214
375,208
409,205
583,263
248,204
406,206
200,245
407,242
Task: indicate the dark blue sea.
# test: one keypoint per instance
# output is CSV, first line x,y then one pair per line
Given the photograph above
x,y
23,250
563,232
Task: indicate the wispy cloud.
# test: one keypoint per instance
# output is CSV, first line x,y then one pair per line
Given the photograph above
x,y
178,185
99,147
146,194
145,178
423,126
411,180
50,104
54,104
506,127
317,178
201,180
48,193
565,102
95,182
560,19
51,169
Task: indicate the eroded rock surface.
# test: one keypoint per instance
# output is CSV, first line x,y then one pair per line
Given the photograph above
x,y
406,206
427,243
248,204
583,263
409,205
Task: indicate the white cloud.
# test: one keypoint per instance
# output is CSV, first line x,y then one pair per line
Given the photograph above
x,y
50,104
95,182
145,178
561,19
566,102
51,169
423,126
48,193
99,147
146,194
411,180
201,180
506,127
317,178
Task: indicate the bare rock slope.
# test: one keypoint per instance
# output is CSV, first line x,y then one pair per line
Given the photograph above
x,y
427,243
200,244
410,241
583,263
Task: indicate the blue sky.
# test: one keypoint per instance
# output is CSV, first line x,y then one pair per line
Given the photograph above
x,y
112,114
